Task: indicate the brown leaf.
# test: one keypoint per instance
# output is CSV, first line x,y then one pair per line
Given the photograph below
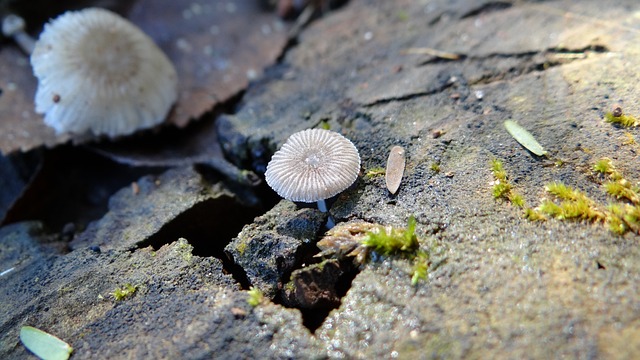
x,y
217,47
21,128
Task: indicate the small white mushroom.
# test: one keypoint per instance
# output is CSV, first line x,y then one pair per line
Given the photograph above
x,y
395,168
13,26
98,73
313,165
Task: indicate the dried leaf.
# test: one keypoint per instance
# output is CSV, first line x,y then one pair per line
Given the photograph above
x,y
524,137
216,46
44,345
395,168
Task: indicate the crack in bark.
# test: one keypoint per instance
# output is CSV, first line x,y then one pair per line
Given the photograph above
x,y
411,96
535,61
531,61
488,7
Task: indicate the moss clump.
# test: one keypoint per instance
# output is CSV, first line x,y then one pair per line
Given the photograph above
x,y
623,119
324,125
435,167
502,189
576,205
359,239
376,171
391,241
604,166
420,267
124,292
622,189
255,297
534,215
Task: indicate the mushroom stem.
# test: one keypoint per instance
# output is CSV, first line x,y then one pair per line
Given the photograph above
x,y
13,26
322,206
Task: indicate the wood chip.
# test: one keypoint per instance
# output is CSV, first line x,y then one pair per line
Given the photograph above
x,y
395,168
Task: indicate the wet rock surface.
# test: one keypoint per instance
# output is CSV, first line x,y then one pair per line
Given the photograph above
x,y
438,78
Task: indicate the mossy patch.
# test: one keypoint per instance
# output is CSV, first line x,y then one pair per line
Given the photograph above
x,y
502,188
255,297
360,239
571,204
124,292
374,172
622,120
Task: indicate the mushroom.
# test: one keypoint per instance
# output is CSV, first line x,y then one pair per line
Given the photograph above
x,y
13,26
313,165
98,73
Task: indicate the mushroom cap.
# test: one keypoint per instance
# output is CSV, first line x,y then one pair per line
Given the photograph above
x,y
313,165
98,73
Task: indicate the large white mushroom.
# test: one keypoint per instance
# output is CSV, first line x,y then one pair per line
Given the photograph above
x,y
98,73
313,165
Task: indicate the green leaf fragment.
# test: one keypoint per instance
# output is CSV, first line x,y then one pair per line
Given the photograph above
x,y
44,345
524,137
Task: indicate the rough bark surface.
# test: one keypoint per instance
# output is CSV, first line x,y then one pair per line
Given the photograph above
x,y
438,78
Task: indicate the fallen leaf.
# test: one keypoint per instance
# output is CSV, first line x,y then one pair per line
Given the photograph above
x,y
524,137
44,345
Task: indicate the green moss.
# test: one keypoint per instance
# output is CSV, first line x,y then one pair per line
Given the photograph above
x,y
435,167
603,166
622,189
325,125
124,292
534,215
420,267
632,217
184,249
498,170
373,172
242,247
563,191
255,297
575,204
516,199
623,119
392,241
357,239
290,287
502,189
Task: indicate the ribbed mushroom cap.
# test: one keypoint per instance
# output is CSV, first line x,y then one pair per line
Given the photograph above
x,y
99,73
313,165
